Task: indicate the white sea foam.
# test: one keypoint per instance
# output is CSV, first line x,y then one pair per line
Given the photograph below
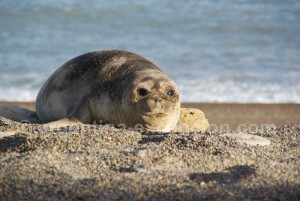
x,y
17,94
229,92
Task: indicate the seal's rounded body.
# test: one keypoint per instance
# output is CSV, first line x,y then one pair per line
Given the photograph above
x,y
111,86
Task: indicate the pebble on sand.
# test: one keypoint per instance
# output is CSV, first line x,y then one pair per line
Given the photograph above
x,y
248,138
141,153
6,134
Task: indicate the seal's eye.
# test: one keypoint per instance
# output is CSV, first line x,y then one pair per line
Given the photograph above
x,y
171,92
142,92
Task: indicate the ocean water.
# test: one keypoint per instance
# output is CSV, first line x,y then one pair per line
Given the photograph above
x,y
215,50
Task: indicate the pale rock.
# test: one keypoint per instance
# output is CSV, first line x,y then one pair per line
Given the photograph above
x,y
191,119
141,153
6,134
248,138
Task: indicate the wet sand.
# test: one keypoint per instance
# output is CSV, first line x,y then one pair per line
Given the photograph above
x,y
104,163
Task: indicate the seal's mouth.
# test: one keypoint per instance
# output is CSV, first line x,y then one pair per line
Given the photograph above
x,y
160,114
155,114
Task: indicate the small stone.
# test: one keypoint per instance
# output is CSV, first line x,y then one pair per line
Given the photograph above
x,y
140,170
249,139
191,120
6,133
141,153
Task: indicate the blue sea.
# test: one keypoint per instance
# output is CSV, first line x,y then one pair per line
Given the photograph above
x,y
215,50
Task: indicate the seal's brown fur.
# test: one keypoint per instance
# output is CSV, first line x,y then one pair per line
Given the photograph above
x,y
103,87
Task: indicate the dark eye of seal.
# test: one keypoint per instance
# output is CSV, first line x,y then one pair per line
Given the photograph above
x,y
171,92
142,92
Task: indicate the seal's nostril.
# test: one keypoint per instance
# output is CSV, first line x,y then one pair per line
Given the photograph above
x,y
142,92
157,100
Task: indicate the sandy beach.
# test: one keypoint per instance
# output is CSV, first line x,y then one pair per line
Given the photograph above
x,y
96,162
130,63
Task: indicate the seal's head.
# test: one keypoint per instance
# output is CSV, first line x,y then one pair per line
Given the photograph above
x,y
154,101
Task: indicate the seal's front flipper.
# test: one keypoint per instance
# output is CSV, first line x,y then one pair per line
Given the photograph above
x,y
18,114
191,119
62,123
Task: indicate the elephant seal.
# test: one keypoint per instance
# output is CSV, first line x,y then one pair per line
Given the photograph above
x,y
111,87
